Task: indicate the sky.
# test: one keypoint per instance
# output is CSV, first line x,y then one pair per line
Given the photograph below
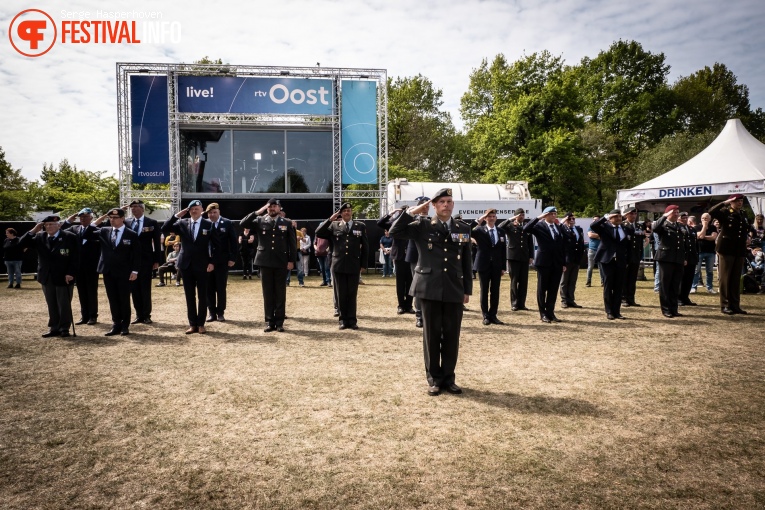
x,y
63,104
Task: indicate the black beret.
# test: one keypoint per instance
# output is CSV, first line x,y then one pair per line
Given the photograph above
x,y
520,210
136,202
568,215
273,201
615,212
443,192
119,212
51,218
421,200
195,202
345,206
630,210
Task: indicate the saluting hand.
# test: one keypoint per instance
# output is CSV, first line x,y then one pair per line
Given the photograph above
x,y
37,228
420,209
182,213
71,218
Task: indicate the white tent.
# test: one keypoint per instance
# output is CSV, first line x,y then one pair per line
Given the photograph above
x,y
733,163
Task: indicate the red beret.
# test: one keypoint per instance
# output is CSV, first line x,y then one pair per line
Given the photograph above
x,y
737,196
671,207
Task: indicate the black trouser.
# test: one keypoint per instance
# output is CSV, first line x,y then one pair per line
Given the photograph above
x,y
519,283
118,293
490,281
614,277
140,288
87,292
630,282
548,280
689,271
347,290
729,268
246,264
216,289
670,277
440,340
274,283
415,300
403,282
568,284
59,301
195,288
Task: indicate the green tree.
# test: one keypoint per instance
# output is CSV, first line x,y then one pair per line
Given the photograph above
x,y
65,189
14,192
671,152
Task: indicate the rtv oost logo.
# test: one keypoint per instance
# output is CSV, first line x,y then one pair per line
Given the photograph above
x,y
32,32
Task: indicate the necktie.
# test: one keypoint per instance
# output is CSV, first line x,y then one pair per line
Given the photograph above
x,y
194,230
114,237
137,226
348,227
493,237
552,231
50,241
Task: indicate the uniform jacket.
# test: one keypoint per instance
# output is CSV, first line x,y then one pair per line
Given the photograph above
x,y
150,238
638,239
734,229
122,259
691,245
489,257
54,263
225,242
612,247
398,250
195,254
671,241
275,240
90,246
444,268
520,245
551,252
574,248
350,250
412,255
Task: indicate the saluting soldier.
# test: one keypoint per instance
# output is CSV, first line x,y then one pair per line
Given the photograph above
x,y
442,282
638,241
87,271
150,238
490,263
275,255
224,249
691,259
350,254
520,254
731,250
57,255
402,269
575,246
413,256
612,255
549,261
671,258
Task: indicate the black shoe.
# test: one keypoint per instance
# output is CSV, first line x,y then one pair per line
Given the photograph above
x,y
212,318
728,311
409,310
221,318
676,314
622,317
136,321
51,333
739,311
633,304
112,332
269,329
18,286
434,391
588,284
400,311
337,314
354,326
280,329
125,332
555,319
92,322
494,320
610,317
10,286
147,321
667,315
690,303
523,308
160,284
514,309
324,284
486,322
342,326
546,319
65,334
564,305
418,324
574,305
80,322
454,389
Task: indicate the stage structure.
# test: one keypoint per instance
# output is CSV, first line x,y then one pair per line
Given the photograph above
x,y
237,134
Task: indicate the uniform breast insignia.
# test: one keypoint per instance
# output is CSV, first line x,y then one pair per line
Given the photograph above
x,y
357,232
283,228
222,229
64,252
430,246
147,229
204,231
126,242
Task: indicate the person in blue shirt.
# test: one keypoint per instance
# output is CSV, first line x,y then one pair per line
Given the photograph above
x,y
386,243
592,247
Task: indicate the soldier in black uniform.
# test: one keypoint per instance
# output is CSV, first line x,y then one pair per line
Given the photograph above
x,y
520,254
613,255
150,237
442,282
350,254
412,256
490,263
550,260
57,254
731,250
639,240
671,258
87,271
402,268
575,246
691,260
224,248
275,254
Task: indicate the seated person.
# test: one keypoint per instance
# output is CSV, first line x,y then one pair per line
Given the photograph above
x,y
169,266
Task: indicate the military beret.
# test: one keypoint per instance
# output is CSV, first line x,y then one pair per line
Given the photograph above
x,y
211,206
51,218
136,202
550,209
345,206
490,211
736,196
274,201
629,210
671,208
568,215
116,211
421,200
684,213
85,210
443,192
195,202
520,210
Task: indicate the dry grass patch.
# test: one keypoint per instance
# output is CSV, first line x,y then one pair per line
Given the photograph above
x,y
589,413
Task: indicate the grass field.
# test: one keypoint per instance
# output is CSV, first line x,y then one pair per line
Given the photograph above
x,y
588,413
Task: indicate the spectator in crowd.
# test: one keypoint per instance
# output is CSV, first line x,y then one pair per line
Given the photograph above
x,y
575,246
321,249
169,266
169,243
550,261
758,231
386,244
304,266
13,255
706,235
247,252
592,248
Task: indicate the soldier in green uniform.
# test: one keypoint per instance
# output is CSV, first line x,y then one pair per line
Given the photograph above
x,y
731,250
442,282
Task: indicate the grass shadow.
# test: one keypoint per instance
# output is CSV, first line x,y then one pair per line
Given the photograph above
x,y
536,404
